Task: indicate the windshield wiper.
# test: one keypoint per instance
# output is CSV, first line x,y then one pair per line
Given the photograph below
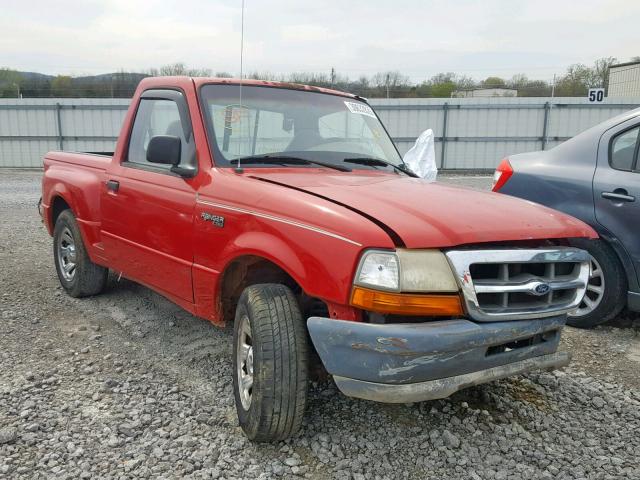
x,y
378,162
286,160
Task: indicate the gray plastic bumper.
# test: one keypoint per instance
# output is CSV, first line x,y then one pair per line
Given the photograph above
x,y
398,363
442,388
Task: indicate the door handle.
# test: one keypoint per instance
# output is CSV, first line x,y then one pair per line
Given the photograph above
x,y
620,195
113,185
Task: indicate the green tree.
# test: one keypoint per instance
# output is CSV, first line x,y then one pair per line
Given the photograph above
x,y
529,88
179,69
535,88
391,83
10,82
493,82
580,78
443,89
601,70
443,85
62,86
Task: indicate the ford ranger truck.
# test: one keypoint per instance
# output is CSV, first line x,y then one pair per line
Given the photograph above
x,y
287,211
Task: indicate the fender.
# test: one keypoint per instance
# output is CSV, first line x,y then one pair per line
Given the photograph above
x,y
307,273
58,189
80,189
623,256
270,247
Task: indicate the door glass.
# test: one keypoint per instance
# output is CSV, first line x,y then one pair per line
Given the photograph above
x,y
154,117
623,149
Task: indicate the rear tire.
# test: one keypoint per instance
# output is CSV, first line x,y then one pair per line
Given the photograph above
x,y
607,290
78,275
270,363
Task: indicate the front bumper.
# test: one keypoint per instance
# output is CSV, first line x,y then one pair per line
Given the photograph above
x,y
397,363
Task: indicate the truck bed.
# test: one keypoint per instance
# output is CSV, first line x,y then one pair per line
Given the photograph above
x,y
97,160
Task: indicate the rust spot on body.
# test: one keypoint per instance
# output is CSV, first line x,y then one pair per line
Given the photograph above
x,y
393,341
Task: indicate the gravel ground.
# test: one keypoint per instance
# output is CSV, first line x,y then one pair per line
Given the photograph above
x,y
127,385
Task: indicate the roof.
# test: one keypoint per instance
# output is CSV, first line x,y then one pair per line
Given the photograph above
x,y
199,81
626,64
268,83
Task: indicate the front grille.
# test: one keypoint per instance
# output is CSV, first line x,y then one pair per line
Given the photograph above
x,y
512,284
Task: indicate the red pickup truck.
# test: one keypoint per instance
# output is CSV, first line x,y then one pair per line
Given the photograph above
x,y
287,210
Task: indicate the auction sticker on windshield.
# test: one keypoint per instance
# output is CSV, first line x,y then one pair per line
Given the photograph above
x,y
360,109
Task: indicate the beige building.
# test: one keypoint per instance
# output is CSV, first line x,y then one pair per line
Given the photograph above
x,y
624,80
485,92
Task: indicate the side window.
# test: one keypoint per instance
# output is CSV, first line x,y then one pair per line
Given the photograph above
x,y
154,117
624,149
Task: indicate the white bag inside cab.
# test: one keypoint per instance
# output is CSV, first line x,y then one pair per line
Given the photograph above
x,y
421,158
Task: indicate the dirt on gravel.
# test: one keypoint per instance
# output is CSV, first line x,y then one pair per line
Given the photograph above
x,y
127,385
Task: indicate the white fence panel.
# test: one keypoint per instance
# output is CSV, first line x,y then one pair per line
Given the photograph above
x,y
471,133
476,133
29,128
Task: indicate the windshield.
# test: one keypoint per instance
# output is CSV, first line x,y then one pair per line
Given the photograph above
x,y
275,125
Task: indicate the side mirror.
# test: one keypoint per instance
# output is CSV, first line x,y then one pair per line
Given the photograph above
x,y
164,149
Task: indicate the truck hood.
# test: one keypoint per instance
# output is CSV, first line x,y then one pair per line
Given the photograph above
x,y
429,215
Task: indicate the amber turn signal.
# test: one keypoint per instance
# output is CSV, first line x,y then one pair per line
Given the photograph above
x,y
406,304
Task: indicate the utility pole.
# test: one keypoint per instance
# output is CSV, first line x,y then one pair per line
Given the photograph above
x,y
333,76
387,84
553,86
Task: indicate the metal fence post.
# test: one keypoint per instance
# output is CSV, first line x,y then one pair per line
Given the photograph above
x,y
545,125
445,116
59,124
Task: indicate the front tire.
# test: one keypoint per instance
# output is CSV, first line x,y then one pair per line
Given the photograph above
x,y
270,363
607,287
78,275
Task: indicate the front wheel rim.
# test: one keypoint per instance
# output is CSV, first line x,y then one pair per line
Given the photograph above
x,y
244,369
67,255
594,293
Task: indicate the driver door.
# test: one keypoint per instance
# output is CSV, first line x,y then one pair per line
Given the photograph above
x,y
148,210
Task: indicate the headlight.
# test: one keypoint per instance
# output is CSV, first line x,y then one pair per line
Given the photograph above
x,y
379,270
406,282
406,271
425,271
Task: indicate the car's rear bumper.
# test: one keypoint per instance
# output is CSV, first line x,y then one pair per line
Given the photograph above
x,y
398,363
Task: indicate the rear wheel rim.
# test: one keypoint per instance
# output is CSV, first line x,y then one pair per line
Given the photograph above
x,y
67,256
244,370
595,291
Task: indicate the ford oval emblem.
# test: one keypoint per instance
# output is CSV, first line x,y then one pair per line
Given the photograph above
x,y
542,289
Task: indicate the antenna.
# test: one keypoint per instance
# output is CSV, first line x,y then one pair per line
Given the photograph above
x,y
239,167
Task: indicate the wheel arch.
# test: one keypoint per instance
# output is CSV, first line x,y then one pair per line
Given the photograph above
x,y
622,255
58,205
60,199
310,264
250,268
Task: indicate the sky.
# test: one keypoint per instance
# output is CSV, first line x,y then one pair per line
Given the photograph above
x,y
356,37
